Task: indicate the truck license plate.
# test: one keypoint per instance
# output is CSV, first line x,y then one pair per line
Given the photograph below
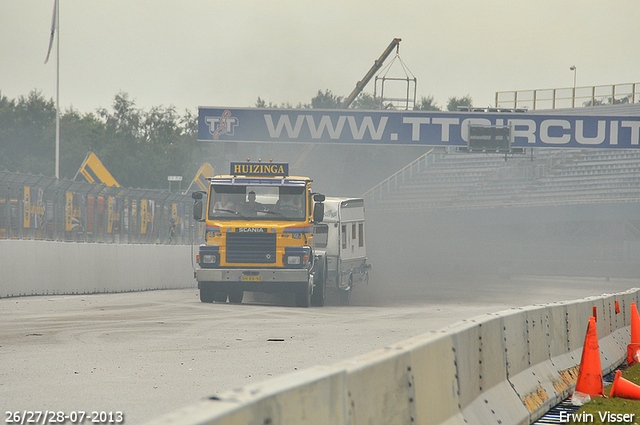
x,y
251,278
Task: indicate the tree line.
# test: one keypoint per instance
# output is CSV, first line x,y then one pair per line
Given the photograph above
x,y
140,148
327,100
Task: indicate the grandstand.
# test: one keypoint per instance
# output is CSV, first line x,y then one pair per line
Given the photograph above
x,y
444,179
568,212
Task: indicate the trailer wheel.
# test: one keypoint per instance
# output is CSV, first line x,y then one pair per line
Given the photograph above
x,y
206,293
345,296
235,295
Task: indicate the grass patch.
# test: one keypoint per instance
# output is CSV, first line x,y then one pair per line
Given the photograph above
x,y
600,406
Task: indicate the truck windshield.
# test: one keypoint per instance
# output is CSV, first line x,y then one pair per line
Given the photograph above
x,y
231,202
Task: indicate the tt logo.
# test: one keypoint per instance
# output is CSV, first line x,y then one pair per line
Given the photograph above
x,y
225,124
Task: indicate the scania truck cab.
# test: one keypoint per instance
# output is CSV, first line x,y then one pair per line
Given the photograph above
x,y
259,235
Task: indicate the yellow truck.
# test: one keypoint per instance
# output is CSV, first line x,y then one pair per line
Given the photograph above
x,y
259,235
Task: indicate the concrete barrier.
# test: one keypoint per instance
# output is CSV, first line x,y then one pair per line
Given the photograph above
x,y
390,372
435,378
504,368
314,395
45,267
534,381
612,342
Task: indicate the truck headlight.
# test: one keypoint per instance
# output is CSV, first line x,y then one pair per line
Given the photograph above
x,y
209,258
296,257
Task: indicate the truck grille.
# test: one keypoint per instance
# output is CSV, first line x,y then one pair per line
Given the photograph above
x,y
251,247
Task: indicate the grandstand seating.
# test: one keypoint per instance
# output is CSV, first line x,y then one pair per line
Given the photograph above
x,y
461,180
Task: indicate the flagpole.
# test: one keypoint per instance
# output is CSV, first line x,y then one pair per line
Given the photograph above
x,y
55,26
58,91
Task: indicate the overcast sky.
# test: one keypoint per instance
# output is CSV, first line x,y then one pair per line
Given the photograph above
x,y
227,53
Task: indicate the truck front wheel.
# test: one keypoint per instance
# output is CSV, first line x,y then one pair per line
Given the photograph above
x,y
319,290
206,293
303,294
236,295
220,297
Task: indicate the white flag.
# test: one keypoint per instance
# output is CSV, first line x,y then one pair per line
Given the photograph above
x,y
53,29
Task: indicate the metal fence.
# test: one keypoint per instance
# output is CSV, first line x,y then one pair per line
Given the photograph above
x,y
569,97
44,208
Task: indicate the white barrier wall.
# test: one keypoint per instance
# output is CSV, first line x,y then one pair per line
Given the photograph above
x,y
45,267
503,368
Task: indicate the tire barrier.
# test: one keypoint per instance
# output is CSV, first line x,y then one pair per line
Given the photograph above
x,y
47,268
503,368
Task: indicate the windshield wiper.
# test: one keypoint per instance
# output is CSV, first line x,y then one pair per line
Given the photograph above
x,y
232,212
283,216
274,212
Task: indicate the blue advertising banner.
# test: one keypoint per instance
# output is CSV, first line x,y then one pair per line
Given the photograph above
x,y
412,127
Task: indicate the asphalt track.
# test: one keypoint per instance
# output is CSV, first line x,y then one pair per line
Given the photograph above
x,y
148,353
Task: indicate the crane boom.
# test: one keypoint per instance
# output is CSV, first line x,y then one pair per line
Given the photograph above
x,y
395,44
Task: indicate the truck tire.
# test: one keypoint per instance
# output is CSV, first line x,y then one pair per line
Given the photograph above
x,y
220,297
303,293
319,289
206,293
345,296
303,299
236,295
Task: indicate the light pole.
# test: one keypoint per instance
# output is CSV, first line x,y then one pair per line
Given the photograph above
x,y
573,102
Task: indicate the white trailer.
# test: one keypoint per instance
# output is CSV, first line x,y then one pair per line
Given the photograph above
x,y
341,236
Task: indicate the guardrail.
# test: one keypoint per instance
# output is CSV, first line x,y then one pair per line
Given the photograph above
x,y
503,368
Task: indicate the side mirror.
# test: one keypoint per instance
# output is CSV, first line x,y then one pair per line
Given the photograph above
x,y
318,197
198,195
197,210
318,211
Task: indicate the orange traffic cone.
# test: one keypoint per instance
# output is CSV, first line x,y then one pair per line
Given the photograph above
x,y
590,374
624,389
635,325
633,354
